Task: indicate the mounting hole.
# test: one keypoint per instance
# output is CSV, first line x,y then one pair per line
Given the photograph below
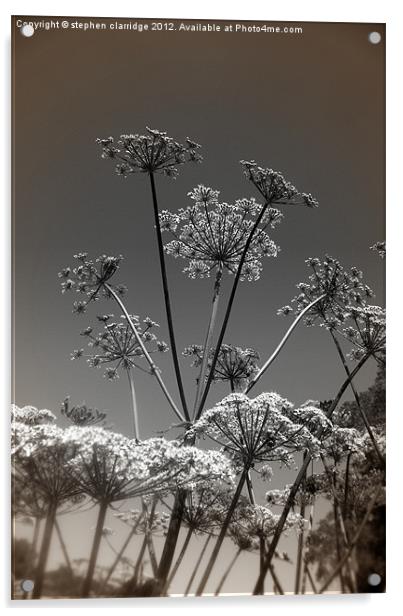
x,y
374,579
27,585
374,38
27,30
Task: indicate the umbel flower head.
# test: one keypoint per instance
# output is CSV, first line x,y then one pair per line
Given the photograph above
x,y
259,523
367,333
274,188
264,429
206,507
31,416
81,415
116,346
42,458
341,289
234,365
380,247
153,152
111,467
212,235
89,278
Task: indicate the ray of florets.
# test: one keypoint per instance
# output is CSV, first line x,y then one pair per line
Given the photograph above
x,y
211,235
116,347
153,152
89,278
234,364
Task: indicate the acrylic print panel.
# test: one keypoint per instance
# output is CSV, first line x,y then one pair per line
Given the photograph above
x,y
199,331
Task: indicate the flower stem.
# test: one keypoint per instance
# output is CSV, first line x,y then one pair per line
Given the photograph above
x,y
229,308
209,336
357,400
197,565
294,489
64,547
153,367
122,550
32,551
300,538
171,538
178,560
222,534
281,344
134,404
103,507
227,572
167,298
44,551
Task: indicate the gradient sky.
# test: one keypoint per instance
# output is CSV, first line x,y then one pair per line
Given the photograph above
x,y
310,106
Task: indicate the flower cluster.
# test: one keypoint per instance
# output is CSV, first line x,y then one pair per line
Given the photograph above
x,y
259,523
206,507
264,429
234,365
380,247
341,290
212,235
342,442
31,416
368,333
154,152
117,347
89,278
81,415
111,467
274,188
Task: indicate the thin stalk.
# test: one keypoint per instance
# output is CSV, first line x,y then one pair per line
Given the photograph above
x,y
209,337
346,486
352,544
122,550
64,547
281,344
151,551
357,400
294,489
338,549
228,310
153,367
300,538
134,405
227,572
310,577
250,489
197,565
167,298
44,551
96,542
139,560
276,581
178,560
172,538
222,534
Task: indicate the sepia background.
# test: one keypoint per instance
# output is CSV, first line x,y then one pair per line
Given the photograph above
x,y
310,105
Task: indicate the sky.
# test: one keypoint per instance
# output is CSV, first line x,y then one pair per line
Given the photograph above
x,y
309,105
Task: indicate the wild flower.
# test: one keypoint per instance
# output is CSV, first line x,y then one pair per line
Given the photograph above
x,y
341,289
31,416
81,415
342,442
234,365
89,278
380,247
259,522
116,346
143,523
368,333
212,235
264,429
274,188
153,152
